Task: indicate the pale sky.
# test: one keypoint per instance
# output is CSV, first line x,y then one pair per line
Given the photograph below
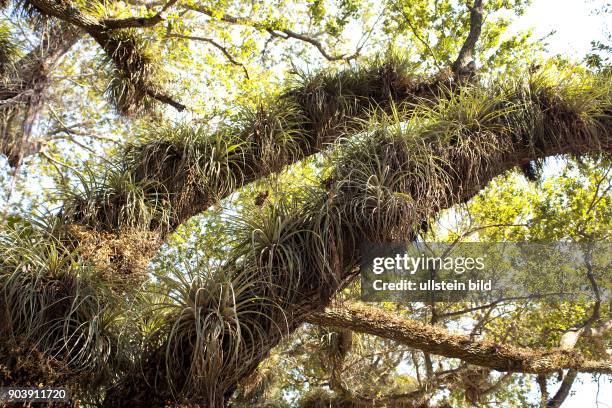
x,y
573,21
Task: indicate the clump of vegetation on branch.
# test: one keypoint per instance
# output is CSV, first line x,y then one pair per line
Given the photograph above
x,y
203,321
135,77
289,257
115,199
382,184
176,172
188,169
56,305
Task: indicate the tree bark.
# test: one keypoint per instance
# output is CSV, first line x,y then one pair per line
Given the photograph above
x,y
464,65
435,340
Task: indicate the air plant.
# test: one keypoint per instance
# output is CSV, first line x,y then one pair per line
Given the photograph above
x,y
205,320
115,200
53,301
272,132
209,325
191,167
134,74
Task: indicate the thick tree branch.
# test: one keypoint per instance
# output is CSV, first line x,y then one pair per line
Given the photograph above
x,y
444,343
65,11
463,65
123,52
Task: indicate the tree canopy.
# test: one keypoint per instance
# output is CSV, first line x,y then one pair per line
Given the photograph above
x,y
187,185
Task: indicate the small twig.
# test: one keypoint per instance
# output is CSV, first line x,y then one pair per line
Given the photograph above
x,y
419,37
216,45
283,33
57,162
163,98
303,37
497,302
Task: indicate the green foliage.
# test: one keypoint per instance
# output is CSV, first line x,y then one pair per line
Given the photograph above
x,y
434,31
318,397
400,140
8,49
600,56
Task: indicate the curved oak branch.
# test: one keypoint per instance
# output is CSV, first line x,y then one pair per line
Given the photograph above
x,y
435,340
